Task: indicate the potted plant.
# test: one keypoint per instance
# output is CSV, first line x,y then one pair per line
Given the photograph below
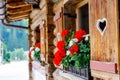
x,y
74,51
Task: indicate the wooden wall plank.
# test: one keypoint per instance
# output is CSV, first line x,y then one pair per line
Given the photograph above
x,y
26,8
43,40
16,5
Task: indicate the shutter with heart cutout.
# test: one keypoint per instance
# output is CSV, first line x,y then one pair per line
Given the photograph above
x,y
104,38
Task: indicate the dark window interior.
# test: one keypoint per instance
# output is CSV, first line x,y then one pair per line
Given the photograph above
x,y
84,18
37,34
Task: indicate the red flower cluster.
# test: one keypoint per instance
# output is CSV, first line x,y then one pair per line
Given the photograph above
x,y
74,49
60,44
58,56
61,53
64,33
37,44
57,60
79,34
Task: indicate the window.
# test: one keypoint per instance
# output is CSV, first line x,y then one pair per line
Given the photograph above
x,y
37,34
83,18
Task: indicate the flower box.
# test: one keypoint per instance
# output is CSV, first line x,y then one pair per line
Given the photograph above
x,y
81,72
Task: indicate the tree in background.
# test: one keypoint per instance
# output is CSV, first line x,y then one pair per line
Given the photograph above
x,y
17,54
6,55
13,37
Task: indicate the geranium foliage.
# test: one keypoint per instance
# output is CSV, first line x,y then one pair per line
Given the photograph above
x,y
35,52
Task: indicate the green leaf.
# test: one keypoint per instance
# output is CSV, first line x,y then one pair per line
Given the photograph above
x,y
75,57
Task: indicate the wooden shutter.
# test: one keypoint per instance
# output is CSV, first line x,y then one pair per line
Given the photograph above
x,y
104,48
58,23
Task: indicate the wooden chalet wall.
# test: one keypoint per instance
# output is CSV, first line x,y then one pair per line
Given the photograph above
x,y
104,39
52,18
43,17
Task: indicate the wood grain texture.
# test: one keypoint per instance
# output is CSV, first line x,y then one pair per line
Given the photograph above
x,y
101,75
25,8
16,4
104,48
43,39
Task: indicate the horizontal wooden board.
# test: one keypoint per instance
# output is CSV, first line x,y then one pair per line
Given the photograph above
x,y
18,14
17,19
26,8
10,1
15,5
104,75
104,66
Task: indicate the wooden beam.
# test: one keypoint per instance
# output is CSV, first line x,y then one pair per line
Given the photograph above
x,y
18,14
82,3
17,19
104,66
26,8
16,5
105,75
10,1
71,2
34,13
26,15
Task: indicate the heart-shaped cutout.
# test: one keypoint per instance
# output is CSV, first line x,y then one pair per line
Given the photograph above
x,y
101,25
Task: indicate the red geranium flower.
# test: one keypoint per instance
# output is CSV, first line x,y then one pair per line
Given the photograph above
x,y
64,33
57,60
74,49
60,44
37,44
58,56
61,53
79,34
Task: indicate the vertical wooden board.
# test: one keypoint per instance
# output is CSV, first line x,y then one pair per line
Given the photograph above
x,y
113,24
43,40
105,38
97,36
104,46
92,29
118,12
